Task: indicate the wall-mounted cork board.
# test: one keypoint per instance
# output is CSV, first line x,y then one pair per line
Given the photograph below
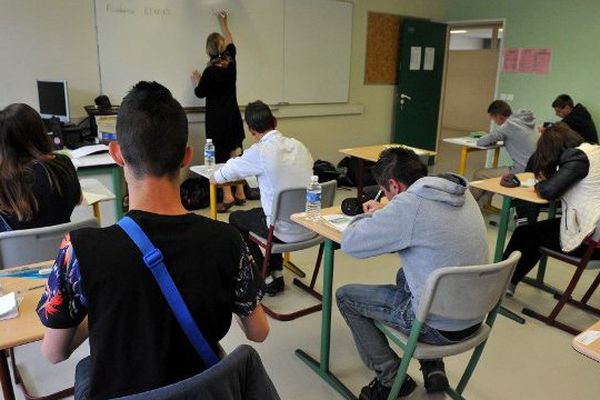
x,y
383,46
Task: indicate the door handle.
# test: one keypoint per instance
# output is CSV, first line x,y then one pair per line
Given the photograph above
x,y
405,97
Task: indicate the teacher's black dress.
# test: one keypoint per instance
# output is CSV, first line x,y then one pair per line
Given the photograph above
x,y
223,119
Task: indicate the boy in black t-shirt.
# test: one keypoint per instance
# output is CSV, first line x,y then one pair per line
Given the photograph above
x,y
100,286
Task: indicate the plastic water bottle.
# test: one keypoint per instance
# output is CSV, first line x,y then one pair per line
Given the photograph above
x,y
313,198
209,154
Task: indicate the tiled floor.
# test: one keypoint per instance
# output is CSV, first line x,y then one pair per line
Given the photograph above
x,y
531,361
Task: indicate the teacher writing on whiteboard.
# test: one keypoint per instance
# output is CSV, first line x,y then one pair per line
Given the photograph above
x,y
223,120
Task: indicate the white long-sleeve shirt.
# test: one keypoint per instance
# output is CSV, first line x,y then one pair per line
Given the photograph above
x,y
279,163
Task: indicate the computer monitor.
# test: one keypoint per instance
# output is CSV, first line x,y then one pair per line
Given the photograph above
x,y
54,99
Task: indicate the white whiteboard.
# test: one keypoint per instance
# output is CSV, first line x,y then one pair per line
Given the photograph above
x,y
317,51
164,40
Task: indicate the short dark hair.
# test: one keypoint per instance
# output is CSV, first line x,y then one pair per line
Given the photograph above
x,y
152,130
499,107
400,164
562,101
551,144
259,117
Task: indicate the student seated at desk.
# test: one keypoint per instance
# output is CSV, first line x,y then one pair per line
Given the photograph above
x,y
279,163
37,187
568,169
577,117
100,286
519,137
431,222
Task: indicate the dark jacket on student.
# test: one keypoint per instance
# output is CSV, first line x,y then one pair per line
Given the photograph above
x,y
54,206
581,122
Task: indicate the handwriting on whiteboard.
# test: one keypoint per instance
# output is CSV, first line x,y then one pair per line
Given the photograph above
x,y
124,9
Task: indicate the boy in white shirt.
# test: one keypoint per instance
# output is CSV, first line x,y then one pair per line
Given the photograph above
x,y
279,163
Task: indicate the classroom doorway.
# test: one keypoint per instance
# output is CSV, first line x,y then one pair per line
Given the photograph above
x,y
470,84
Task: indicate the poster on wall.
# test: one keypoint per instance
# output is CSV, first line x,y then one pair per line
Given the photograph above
x,y
527,61
542,61
511,59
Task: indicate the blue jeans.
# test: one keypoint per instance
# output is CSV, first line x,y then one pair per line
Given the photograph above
x,y
360,305
83,377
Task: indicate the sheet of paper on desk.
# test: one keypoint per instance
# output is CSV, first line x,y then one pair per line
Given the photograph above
x,y
9,308
338,221
588,337
528,182
87,150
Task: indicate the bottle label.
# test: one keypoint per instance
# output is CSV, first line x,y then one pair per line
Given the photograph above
x,y
313,197
209,153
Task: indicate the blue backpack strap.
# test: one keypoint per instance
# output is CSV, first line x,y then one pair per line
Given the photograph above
x,y
153,259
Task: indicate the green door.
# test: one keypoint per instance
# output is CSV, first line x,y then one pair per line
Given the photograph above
x,y
418,93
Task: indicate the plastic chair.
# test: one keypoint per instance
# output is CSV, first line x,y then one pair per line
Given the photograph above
x,y
28,246
288,202
458,293
581,264
240,375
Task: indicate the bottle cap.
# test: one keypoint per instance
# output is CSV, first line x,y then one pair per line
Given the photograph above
x,y
208,140
314,178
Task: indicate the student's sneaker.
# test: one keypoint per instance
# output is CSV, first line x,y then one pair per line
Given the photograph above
x,y
274,285
376,391
434,375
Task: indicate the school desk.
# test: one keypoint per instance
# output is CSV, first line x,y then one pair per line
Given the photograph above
x,y
468,145
332,236
371,153
588,342
520,193
26,328
93,193
97,164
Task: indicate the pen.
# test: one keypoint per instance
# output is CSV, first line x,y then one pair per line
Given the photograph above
x,y
378,195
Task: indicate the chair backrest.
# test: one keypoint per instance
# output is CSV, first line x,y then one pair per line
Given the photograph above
x,y
293,200
28,246
240,375
467,292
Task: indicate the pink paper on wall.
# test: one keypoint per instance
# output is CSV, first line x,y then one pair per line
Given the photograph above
x,y
542,61
511,60
527,60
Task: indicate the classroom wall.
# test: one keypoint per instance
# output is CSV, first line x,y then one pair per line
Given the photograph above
x,y
326,135
570,29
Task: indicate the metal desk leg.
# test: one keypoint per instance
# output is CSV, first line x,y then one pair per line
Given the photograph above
x,y
7,388
96,210
360,184
116,181
496,157
322,367
462,165
213,200
500,241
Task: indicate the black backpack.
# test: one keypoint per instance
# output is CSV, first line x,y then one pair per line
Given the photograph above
x,y
325,170
195,193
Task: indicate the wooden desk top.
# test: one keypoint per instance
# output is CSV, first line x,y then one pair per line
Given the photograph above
x,y
371,153
521,193
321,227
26,327
588,342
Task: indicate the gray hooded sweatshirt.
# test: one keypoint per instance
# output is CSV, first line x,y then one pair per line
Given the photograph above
x,y
519,136
435,223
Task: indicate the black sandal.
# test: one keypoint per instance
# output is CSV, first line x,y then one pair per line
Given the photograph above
x,y
224,207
